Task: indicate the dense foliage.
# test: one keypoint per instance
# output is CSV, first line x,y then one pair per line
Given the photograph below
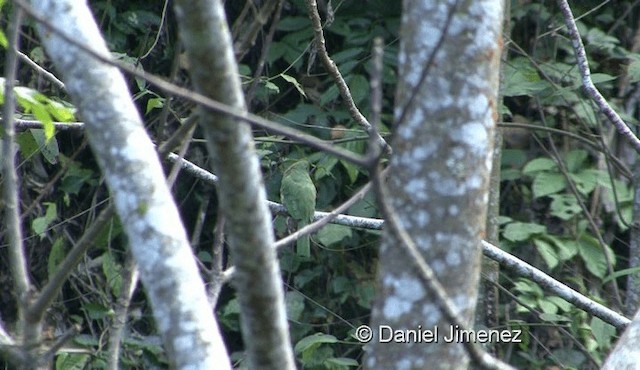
x,y
567,189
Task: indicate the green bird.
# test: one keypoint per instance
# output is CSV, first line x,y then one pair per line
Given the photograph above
x,y
298,195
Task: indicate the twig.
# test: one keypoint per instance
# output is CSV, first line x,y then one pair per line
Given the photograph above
x,y
589,87
130,275
592,223
331,67
48,75
157,38
263,54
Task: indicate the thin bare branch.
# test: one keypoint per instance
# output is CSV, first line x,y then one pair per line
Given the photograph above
x,y
523,269
331,67
589,87
48,75
17,258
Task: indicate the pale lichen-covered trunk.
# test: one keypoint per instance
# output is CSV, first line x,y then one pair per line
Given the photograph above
x,y
213,70
439,175
137,185
626,354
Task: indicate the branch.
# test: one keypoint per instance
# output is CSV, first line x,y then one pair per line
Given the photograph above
x,y
17,258
523,269
330,65
589,87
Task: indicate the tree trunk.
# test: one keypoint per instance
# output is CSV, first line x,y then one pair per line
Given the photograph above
x,y
446,110
214,72
137,184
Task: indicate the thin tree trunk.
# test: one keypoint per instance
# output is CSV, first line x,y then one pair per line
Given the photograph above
x,y
205,35
137,184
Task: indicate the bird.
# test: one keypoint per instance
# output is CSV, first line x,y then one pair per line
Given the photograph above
x,y
298,195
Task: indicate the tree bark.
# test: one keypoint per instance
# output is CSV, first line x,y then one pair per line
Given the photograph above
x,y
205,35
626,354
439,178
137,184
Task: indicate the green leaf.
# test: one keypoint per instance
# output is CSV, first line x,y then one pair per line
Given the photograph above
x,y
564,206
330,95
586,113
521,78
272,87
48,146
75,177
600,39
71,361
597,78
547,252
359,87
546,183
552,316
294,302
347,55
41,224
521,231
295,83
63,112
565,248
586,180
528,287
113,272
593,256
547,307
575,160
603,332
27,144
4,43
313,341
205,257
333,234
621,273
365,207
96,311
324,167
342,361
56,256
293,23
634,69
154,103
561,303
42,115
539,164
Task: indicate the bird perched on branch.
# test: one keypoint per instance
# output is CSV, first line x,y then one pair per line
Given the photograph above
x,y
298,195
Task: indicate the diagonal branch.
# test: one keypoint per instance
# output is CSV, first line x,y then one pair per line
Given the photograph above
x,y
589,87
330,65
